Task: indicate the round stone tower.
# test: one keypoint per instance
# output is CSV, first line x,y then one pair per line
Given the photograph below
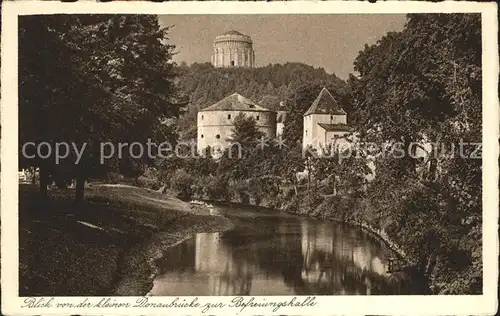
x,y
233,49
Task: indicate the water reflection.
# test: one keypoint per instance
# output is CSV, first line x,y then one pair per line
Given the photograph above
x,y
276,256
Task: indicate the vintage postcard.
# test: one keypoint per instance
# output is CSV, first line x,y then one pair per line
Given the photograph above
x,y
244,158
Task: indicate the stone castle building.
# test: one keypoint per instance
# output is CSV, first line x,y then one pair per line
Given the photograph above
x,y
216,122
280,119
325,122
233,49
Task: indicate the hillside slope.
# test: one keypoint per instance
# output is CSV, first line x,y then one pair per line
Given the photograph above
x,y
267,85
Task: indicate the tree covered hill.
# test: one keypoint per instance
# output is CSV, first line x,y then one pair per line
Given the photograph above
x,y
267,85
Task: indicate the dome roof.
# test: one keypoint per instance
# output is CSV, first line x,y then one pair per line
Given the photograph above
x,y
234,36
232,32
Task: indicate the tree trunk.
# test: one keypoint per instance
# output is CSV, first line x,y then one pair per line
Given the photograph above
x,y
308,180
409,156
44,181
33,176
431,263
407,162
80,187
432,169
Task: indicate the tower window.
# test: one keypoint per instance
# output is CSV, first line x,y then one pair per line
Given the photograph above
x,y
257,117
217,136
232,62
331,117
201,135
202,117
306,132
229,116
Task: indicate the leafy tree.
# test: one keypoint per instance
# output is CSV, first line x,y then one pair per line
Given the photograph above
x,y
182,182
245,132
424,85
114,84
237,160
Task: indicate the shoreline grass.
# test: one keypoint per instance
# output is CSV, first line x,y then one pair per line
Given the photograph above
x,y
104,246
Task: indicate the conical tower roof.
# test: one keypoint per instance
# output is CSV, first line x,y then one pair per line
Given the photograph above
x,y
325,103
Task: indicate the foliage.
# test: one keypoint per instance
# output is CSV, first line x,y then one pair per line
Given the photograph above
x,y
217,188
245,132
424,85
147,182
114,83
182,182
266,85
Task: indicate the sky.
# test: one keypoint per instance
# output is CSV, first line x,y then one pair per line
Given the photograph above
x,y
329,41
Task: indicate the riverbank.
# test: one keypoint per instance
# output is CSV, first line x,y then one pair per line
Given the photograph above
x,y
404,267
318,214
107,245
339,209
380,235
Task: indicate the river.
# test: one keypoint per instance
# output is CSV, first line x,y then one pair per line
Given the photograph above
x,y
271,253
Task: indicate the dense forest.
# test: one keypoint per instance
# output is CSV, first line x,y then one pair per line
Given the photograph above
x,y
267,85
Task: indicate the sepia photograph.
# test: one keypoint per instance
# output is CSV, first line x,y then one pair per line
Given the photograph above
x,y
250,156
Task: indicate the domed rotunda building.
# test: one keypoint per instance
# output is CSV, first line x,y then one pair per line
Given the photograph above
x,y
233,49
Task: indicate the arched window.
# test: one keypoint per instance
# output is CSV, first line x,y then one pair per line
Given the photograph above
x,y
229,116
257,118
202,117
201,135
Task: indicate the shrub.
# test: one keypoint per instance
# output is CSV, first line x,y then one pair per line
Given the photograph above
x,y
326,190
114,177
147,182
241,190
183,183
255,191
217,188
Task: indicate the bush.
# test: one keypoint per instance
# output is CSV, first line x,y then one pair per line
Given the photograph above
x,y
312,200
146,182
326,190
114,177
241,190
182,182
255,191
217,188
289,193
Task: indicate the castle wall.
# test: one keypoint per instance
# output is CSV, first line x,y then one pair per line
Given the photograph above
x,y
216,127
279,128
308,131
314,135
329,119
